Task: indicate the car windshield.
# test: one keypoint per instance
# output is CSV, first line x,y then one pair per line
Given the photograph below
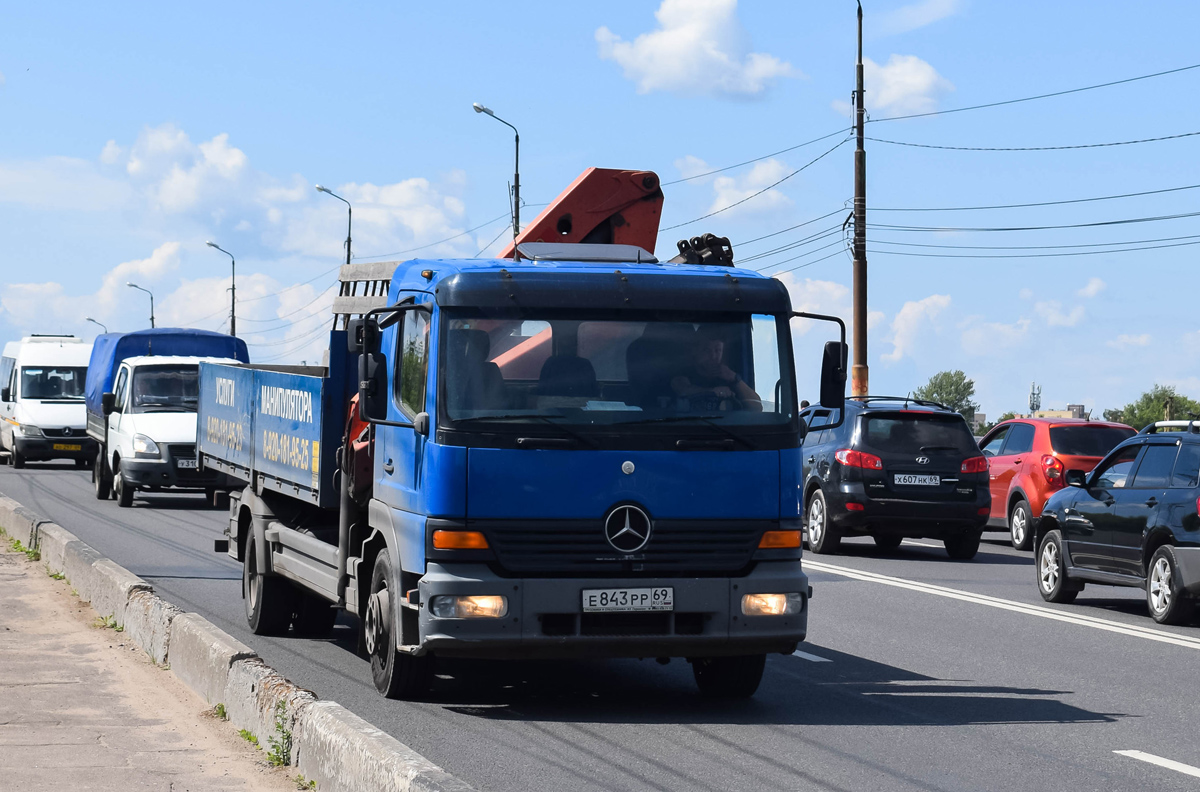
x,y
593,369
913,432
53,382
165,388
1089,441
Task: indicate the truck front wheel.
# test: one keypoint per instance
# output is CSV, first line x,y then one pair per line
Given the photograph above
x,y
101,477
397,675
268,609
729,677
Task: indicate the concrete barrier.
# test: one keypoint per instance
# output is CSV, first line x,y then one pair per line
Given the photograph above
x,y
202,655
334,747
341,751
147,622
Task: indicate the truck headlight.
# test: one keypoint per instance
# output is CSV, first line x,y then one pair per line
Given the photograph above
x,y
477,607
29,430
772,604
145,448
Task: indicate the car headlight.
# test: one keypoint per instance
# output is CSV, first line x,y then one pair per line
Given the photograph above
x,y
29,430
477,607
145,447
772,604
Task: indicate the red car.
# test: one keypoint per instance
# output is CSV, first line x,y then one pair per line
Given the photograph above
x,y
1027,458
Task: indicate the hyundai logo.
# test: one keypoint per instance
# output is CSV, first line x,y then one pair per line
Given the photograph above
x,y
627,528
922,460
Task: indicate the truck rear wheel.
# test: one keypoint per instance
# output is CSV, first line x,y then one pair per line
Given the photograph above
x,y
101,477
729,677
267,597
397,675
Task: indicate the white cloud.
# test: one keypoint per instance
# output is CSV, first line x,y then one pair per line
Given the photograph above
x,y
1094,286
699,48
690,166
1026,294
822,297
731,189
60,183
111,153
991,339
1125,341
1052,312
906,84
914,316
916,15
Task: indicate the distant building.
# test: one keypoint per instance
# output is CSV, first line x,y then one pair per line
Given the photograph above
x,y
1072,411
978,422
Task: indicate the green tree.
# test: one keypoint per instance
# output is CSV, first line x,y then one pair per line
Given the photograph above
x,y
1150,407
953,389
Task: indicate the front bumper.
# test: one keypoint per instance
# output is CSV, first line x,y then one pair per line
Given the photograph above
x,y
38,449
545,618
155,473
928,518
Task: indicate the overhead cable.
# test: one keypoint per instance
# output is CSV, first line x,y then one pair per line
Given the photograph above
x,y
758,159
1027,205
1032,148
885,227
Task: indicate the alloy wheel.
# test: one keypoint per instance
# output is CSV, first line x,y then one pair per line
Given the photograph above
x,y
1019,526
1160,586
816,521
1048,567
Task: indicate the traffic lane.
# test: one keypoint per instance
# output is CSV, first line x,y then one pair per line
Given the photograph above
x,y
998,571
631,725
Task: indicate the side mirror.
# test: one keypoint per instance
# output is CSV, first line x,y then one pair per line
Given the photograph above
x,y
108,403
833,376
5,395
421,424
1075,478
372,387
363,336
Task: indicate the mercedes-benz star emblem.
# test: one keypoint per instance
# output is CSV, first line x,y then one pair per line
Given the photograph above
x,y
627,528
67,431
922,460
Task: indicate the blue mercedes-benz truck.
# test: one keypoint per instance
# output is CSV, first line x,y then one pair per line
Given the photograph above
x,y
578,452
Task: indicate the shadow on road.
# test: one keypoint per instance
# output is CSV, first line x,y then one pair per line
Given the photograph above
x,y
847,691
912,552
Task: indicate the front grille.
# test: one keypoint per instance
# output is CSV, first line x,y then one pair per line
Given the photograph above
x,y
182,450
73,434
578,548
622,624
179,451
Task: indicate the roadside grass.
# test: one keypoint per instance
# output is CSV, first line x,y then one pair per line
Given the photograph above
x,y
248,736
32,553
304,783
219,712
55,575
108,622
280,754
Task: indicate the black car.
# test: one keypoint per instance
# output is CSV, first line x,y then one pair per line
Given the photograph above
x,y
1133,521
889,468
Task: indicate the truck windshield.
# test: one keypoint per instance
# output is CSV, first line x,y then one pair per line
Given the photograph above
x,y
165,389
53,382
595,370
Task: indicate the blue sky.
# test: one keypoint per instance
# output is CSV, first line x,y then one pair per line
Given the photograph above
x,y
131,136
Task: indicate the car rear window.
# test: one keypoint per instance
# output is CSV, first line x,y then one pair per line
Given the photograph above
x,y
914,432
1092,441
1187,466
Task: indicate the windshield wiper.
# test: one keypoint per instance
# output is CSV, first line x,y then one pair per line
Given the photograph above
x,y
709,420
536,417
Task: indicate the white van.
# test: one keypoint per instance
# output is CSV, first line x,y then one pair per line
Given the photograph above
x,y
42,412
150,432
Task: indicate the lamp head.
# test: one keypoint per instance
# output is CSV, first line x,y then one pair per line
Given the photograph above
x,y
211,244
481,109
323,189
132,285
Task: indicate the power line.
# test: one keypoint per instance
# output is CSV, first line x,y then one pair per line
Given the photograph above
x,y
884,227
807,263
1033,148
489,244
1039,96
789,228
763,190
1027,205
816,237
802,255
1032,255
758,159
1034,247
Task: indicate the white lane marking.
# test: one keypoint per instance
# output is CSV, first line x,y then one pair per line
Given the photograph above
x,y
1011,605
812,658
1170,764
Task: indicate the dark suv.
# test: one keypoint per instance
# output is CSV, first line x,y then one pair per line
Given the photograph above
x,y
1133,521
893,468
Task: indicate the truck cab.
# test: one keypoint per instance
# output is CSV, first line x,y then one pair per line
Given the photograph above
x,y
150,436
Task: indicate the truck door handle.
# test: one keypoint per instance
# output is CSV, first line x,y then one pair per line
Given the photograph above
x,y
1110,500
388,467
1153,501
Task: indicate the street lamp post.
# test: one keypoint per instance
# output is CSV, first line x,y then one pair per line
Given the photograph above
x,y
232,287
516,196
349,216
93,321
139,288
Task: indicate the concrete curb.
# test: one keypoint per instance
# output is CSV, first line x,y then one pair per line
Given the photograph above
x,y
329,744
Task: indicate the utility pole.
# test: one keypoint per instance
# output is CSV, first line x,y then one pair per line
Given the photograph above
x,y
232,287
859,373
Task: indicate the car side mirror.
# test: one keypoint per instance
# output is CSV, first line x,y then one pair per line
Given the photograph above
x,y
1075,478
372,387
5,394
833,376
108,403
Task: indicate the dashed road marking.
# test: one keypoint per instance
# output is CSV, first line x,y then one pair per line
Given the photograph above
x,y
1170,764
1108,625
812,658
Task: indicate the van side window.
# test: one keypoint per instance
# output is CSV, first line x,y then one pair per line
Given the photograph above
x,y
119,389
7,366
412,362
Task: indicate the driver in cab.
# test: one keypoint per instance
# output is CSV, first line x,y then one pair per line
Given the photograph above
x,y
708,379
